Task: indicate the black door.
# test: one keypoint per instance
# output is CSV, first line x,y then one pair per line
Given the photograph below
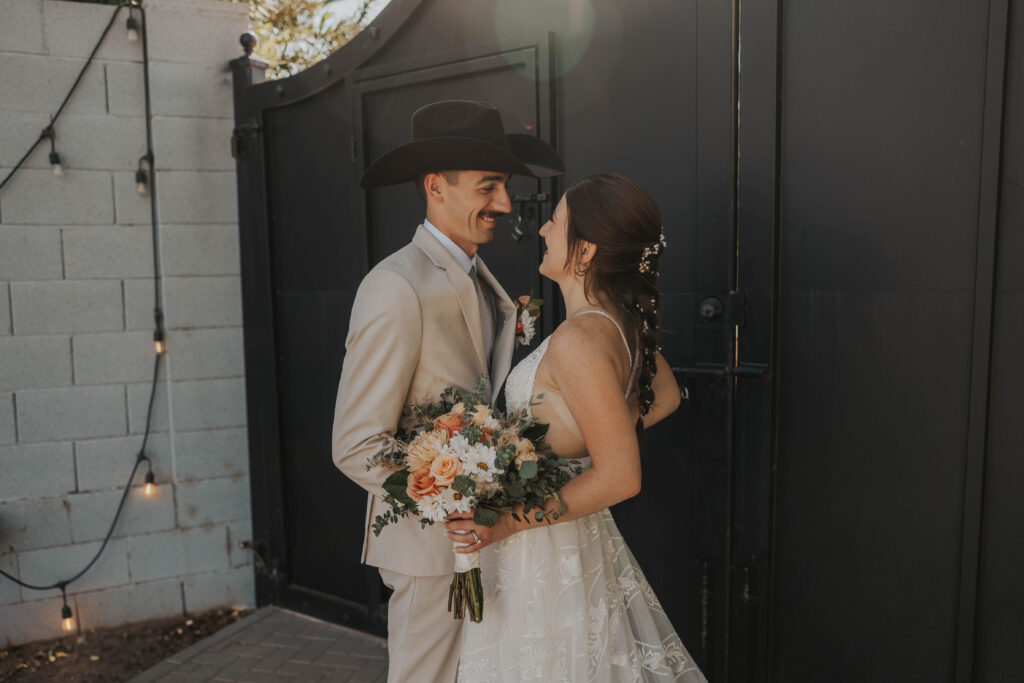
x,y
840,189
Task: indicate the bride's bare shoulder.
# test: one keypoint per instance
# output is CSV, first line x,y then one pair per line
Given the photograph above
x,y
583,343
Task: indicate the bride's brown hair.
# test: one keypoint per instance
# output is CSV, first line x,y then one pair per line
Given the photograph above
x,y
622,219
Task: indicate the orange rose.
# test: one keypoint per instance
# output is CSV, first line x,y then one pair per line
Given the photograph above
x,y
449,422
421,484
444,469
525,452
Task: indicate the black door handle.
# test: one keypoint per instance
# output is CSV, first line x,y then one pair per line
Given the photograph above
x,y
742,370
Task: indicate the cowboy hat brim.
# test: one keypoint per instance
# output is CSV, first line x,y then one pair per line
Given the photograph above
x,y
526,155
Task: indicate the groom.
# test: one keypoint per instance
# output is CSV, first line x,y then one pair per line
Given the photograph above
x,y
429,316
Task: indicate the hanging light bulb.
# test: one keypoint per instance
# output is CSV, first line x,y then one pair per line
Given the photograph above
x,y
67,621
58,169
141,180
150,483
133,28
158,342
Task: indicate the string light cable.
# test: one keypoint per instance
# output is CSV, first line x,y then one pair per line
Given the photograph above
x,y
145,180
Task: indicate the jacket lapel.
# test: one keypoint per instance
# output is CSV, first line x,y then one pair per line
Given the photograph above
x,y
461,284
505,330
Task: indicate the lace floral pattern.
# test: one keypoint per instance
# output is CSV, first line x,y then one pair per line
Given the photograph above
x,y
568,602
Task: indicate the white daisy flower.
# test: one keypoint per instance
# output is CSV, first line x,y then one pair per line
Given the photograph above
x,y
477,458
432,507
454,501
528,331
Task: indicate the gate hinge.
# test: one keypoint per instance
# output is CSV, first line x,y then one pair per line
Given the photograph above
x,y
238,138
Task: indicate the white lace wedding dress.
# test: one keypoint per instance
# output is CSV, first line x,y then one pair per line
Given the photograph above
x,y
568,602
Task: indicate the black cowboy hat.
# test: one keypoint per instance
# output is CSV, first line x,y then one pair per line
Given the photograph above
x,y
461,135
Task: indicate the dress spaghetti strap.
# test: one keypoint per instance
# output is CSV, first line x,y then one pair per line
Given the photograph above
x,y
632,365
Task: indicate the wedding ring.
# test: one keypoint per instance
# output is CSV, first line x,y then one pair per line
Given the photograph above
x,y
476,537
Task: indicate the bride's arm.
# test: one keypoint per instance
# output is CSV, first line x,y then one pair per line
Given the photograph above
x,y
582,367
666,394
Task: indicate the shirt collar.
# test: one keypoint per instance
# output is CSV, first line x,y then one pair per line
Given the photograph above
x,y
455,250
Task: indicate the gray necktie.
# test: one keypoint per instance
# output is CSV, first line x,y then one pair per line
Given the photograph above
x,y
487,325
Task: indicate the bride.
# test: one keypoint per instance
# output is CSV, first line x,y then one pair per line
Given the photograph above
x,y
567,601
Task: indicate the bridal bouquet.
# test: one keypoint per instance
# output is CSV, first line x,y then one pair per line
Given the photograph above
x,y
460,456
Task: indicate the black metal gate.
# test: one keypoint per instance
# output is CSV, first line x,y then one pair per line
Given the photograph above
x,y
840,186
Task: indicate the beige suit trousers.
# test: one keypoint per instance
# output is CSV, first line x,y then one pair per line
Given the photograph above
x,y
423,638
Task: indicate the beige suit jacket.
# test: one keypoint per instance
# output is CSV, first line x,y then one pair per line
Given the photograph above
x,y
415,329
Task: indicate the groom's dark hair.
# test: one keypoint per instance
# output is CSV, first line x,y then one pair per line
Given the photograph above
x,y
451,176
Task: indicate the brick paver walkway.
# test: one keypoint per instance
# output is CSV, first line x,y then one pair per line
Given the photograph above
x,y
274,645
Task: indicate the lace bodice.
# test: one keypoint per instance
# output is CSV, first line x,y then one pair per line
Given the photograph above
x,y
519,385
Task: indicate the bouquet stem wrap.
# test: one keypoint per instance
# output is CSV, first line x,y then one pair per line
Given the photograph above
x,y
466,590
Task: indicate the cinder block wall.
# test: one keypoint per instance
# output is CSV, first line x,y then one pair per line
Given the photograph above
x,y
76,319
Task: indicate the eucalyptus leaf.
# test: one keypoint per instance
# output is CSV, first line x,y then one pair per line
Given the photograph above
x,y
396,485
485,517
528,470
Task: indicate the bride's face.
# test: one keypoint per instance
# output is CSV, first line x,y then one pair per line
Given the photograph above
x,y
555,233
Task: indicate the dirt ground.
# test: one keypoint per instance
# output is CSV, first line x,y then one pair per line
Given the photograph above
x,y
110,655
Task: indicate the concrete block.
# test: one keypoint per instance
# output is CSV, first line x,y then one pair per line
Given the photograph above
x,y
207,404
35,362
201,144
105,464
30,253
176,90
66,306
115,357
200,250
197,32
188,197
5,309
239,532
38,83
202,302
127,604
8,433
211,453
77,413
72,29
179,553
130,207
205,353
37,470
91,513
235,588
34,523
21,26
30,621
139,303
108,252
53,564
138,405
10,592
38,197
87,142
213,501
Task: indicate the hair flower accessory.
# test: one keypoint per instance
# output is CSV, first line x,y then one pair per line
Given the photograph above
x,y
527,311
653,250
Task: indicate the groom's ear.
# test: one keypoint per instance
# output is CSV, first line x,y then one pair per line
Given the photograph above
x,y
430,186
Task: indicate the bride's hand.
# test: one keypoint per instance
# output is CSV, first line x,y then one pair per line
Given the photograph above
x,y
461,529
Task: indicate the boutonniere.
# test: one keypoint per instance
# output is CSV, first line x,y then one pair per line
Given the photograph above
x,y
527,311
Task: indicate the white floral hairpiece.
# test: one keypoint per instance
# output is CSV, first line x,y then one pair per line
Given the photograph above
x,y
653,250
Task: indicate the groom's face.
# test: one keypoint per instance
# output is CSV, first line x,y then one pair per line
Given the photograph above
x,y
468,209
